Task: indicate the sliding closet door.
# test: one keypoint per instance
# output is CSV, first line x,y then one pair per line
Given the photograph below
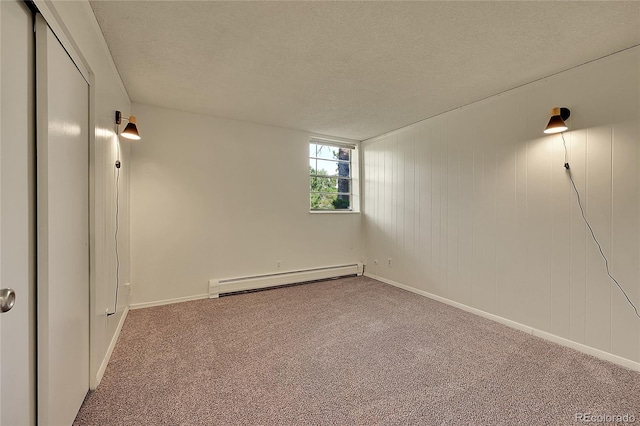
x,y
63,231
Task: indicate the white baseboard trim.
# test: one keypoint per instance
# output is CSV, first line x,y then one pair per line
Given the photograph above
x,y
168,301
598,353
112,346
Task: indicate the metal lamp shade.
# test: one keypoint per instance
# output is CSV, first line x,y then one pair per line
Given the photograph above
x,y
556,125
131,130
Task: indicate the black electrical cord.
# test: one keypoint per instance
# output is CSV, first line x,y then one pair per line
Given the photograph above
x,y
593,235
115,236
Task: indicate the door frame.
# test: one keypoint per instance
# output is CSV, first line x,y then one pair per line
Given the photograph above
x,y
47,9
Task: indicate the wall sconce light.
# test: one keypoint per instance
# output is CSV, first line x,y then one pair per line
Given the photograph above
x,y
131,130
556,122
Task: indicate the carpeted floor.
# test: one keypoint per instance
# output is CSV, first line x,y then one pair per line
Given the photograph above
x,y
345,352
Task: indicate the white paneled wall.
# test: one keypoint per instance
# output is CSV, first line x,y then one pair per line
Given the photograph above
x,y
475,205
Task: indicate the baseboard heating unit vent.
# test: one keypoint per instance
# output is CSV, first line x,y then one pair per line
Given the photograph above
x,y
232,285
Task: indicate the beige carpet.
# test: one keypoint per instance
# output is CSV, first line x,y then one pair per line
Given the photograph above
x,y
345,352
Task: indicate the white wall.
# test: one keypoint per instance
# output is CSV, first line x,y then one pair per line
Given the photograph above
x,y
218,198
475,206
76,26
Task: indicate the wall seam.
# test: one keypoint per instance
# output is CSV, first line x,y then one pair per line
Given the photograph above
x,y
611,244
584,227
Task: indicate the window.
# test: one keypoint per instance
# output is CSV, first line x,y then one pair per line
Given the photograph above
x,y
330,175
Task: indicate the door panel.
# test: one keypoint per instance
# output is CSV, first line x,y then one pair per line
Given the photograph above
x,y
63,231
17,224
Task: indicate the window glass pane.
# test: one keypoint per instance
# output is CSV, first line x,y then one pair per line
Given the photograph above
x,y
323,184
327,152
312,166
342,202
343,169
312,150
329,168
344,154
344,185
323,201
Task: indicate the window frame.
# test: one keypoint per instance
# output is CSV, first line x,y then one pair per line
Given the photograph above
x,y
352,178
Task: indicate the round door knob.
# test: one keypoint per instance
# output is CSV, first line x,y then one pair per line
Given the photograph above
x,y
7,299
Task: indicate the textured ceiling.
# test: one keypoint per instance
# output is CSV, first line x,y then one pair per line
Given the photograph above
x,y
350,69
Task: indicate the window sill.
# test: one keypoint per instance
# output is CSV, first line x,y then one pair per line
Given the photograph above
x,y
334,212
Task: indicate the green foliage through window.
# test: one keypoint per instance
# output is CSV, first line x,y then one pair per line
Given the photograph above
x,y
330,177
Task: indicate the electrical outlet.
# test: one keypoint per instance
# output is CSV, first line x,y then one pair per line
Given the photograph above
x,y
389,263
278,263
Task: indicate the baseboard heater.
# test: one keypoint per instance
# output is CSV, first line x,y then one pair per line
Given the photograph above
x,y
233,285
